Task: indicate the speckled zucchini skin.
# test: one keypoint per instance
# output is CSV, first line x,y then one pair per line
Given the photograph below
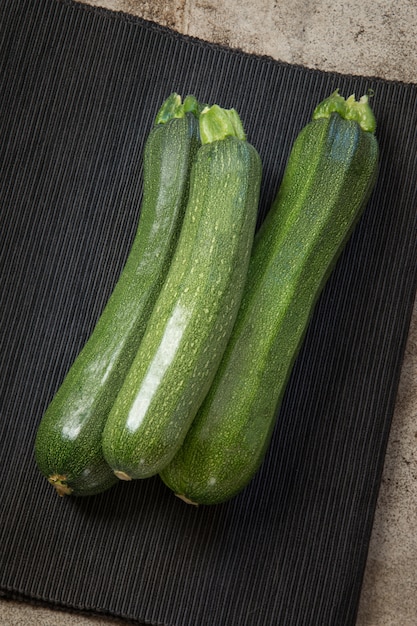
x,y
68,443
194,314
330,174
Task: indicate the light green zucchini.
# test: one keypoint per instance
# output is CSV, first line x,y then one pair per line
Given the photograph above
x,y
194,314
331,171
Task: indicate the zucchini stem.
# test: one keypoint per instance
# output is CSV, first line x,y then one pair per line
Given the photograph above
x,y
350,109
174,107
216,124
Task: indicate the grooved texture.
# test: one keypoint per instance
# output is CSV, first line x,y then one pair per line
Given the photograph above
x,y
80,87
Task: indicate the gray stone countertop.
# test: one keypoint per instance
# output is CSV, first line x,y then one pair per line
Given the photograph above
x,y
362,37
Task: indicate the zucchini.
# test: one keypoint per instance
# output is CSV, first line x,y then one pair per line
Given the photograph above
x,y
331,171
194,314
68,441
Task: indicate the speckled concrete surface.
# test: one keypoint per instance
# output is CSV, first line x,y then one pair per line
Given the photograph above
x,y
361,37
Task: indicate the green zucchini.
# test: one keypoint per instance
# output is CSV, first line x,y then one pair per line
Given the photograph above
x,y
197,306
331,171
68,442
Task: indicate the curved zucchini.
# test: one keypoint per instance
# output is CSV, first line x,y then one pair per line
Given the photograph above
x,y
68,442
328,179
196,309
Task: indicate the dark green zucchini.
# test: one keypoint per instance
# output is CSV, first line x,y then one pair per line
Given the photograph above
x,y
68,443
328,179
197,306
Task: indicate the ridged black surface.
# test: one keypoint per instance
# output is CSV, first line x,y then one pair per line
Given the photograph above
x,y
79,90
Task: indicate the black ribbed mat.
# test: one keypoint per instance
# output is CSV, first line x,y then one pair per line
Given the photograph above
x,y
79,90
